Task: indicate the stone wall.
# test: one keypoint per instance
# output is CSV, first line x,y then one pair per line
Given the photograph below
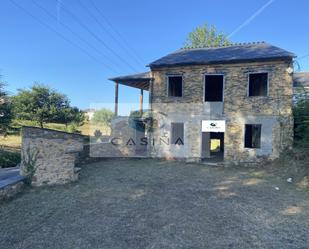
x,y
55,154
11,190
274,112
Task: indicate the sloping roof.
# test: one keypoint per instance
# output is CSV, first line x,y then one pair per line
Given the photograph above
x,y
225,54
140,81
301,79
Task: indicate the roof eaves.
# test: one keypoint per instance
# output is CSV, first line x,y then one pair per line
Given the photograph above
x,y
153,65
117,79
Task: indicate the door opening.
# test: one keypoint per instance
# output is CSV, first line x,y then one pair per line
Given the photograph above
x,y
212,146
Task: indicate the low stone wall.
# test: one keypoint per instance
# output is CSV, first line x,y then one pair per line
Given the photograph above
x,y
11,190
54,153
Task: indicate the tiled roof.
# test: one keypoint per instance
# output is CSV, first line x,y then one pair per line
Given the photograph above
x,y
224,54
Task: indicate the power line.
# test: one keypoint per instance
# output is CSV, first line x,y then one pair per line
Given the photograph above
x,y
251,18
303,57
97,37
59,34
106,30
71,30
125,42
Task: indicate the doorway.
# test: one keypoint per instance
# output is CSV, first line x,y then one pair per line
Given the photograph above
x,y
212,146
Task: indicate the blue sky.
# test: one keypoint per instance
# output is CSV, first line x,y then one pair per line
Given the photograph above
x,y
30,52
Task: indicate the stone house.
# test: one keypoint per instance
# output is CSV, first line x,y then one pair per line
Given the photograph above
x,y
89,113
230,103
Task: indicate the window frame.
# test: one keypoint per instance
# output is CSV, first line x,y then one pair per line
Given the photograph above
x,y
204,85
248,84
171,134
168,85
244,137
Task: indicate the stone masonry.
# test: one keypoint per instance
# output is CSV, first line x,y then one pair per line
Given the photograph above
x,y
274,112
55,153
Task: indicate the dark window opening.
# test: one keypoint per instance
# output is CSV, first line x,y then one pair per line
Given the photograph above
x,y
177,133
258,84
253,135
214,88
175,86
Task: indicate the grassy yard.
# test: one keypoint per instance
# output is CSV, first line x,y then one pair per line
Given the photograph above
x,y
136,204
10,141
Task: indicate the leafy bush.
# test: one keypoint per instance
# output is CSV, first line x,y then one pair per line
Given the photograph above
x,y
29,164
72,128
301,122
5,111
9,159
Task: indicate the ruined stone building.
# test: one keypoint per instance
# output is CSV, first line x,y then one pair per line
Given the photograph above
x,y
230,103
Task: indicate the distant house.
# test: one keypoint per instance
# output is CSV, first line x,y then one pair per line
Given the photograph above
x,y
230,103
89,113
301,79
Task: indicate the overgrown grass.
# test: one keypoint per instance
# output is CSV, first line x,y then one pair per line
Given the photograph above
x,y
293,164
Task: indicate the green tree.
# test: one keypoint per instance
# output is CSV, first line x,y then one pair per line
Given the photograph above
x,y
301,121
206,36
42,105
103,116
69,115
5,110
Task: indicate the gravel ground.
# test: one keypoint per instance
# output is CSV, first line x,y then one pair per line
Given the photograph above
x,y
155,204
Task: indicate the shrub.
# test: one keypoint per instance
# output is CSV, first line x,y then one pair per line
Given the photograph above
x,y
72,128
9,159
29,164
301,121
5,111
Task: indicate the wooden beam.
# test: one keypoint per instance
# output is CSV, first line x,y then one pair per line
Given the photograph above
x,y
141,99
116,98
150,94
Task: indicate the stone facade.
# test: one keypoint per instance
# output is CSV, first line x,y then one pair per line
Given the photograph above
x,y
55,153
274,111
